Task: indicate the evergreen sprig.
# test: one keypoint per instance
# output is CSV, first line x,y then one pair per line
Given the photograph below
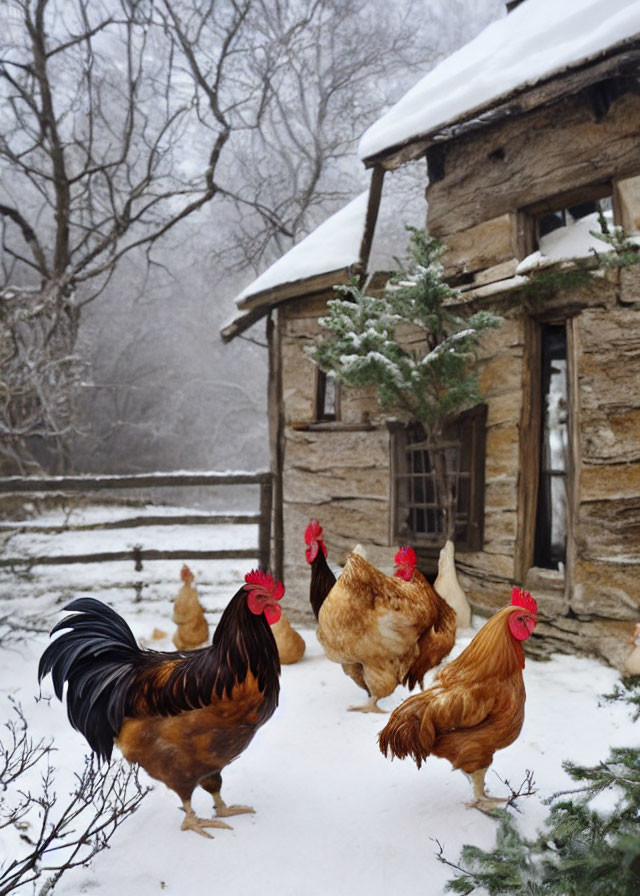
x,y
362,346
623,251
580,852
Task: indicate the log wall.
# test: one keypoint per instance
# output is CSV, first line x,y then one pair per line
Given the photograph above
x,y
528,159
341,474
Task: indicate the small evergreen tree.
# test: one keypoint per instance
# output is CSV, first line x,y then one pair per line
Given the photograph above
x,y
580,852
431,384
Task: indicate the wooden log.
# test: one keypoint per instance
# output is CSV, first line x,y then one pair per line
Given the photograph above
x,y
539,160
134,554
20,484
136,522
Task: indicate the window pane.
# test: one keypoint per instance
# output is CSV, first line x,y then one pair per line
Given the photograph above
x,y
551,523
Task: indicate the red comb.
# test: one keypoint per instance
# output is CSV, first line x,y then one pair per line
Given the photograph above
x,y
257,580
522,598
185,573
263,594
313,532
314,541
406,556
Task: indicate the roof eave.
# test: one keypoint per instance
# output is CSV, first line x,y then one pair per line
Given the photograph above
x,y
261,303
621,59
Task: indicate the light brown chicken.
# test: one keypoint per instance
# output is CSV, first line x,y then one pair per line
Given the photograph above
x,y
291,645
475,706
188,615
383,630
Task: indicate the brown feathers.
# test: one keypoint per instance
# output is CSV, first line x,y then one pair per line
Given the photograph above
x,y
394,630
475,706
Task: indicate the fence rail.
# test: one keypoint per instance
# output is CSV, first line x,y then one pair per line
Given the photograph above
x,y
18,485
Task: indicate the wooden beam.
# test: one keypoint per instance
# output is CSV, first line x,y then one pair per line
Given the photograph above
x,y
135,555
267,298
20,484
575,454
135,522
529,450
373,206
275,412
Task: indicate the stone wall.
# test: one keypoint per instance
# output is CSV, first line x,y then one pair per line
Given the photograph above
x,y
338,475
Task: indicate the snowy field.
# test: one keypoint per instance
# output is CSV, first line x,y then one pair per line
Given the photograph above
x,y
333,816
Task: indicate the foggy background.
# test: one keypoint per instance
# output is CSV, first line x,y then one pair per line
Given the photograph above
x,y
154,387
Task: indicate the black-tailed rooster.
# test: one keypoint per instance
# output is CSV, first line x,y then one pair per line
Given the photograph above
x,y
183,716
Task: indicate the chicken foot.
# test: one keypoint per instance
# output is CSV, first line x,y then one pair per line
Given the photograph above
x,y
483,801
371,706
213,785
193,823
222,810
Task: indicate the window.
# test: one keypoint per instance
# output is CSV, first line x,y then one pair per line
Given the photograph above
x,y
551,515
565,216
327,405
568,218
418,517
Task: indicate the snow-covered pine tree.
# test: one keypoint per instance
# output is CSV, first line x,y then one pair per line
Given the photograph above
x,y
430,384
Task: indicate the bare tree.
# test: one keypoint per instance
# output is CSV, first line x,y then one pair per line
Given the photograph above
x,y
115,132
123,119
56,834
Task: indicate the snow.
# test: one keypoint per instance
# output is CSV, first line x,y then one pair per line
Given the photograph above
x,y
333,816
334,245
576,240
538,38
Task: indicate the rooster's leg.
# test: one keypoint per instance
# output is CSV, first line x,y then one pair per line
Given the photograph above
x,y
213,785
371,706
482,800
193,823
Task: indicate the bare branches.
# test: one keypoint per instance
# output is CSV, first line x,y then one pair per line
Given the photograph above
x,y
40,375
55,835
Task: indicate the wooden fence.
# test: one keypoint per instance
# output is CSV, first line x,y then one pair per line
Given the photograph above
x,y
86,485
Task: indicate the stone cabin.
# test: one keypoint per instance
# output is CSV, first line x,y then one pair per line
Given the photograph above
x,y
523,165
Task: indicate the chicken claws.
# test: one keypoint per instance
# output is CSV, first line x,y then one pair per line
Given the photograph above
x,y
222,810
192,822
371,706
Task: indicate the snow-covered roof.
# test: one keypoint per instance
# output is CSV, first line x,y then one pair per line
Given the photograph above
x,y
537,40
334,245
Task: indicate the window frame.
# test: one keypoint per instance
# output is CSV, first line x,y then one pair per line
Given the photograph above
x,y
529,216
320,414
468,432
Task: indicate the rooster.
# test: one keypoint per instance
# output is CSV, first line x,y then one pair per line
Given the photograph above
x,y
322,578
184,716
383,630
475,706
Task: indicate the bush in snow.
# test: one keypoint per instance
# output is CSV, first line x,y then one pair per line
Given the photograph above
x,y
53,833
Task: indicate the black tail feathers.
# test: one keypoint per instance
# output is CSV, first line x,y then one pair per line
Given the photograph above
x,y
96,657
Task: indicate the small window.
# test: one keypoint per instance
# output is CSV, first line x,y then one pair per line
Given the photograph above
x,y
418,517
567,219
547,222
327,397
551,515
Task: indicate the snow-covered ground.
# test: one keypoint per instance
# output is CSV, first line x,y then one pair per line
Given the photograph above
x,y
333,816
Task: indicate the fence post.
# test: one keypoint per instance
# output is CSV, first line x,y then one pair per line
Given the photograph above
x,y
264,533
